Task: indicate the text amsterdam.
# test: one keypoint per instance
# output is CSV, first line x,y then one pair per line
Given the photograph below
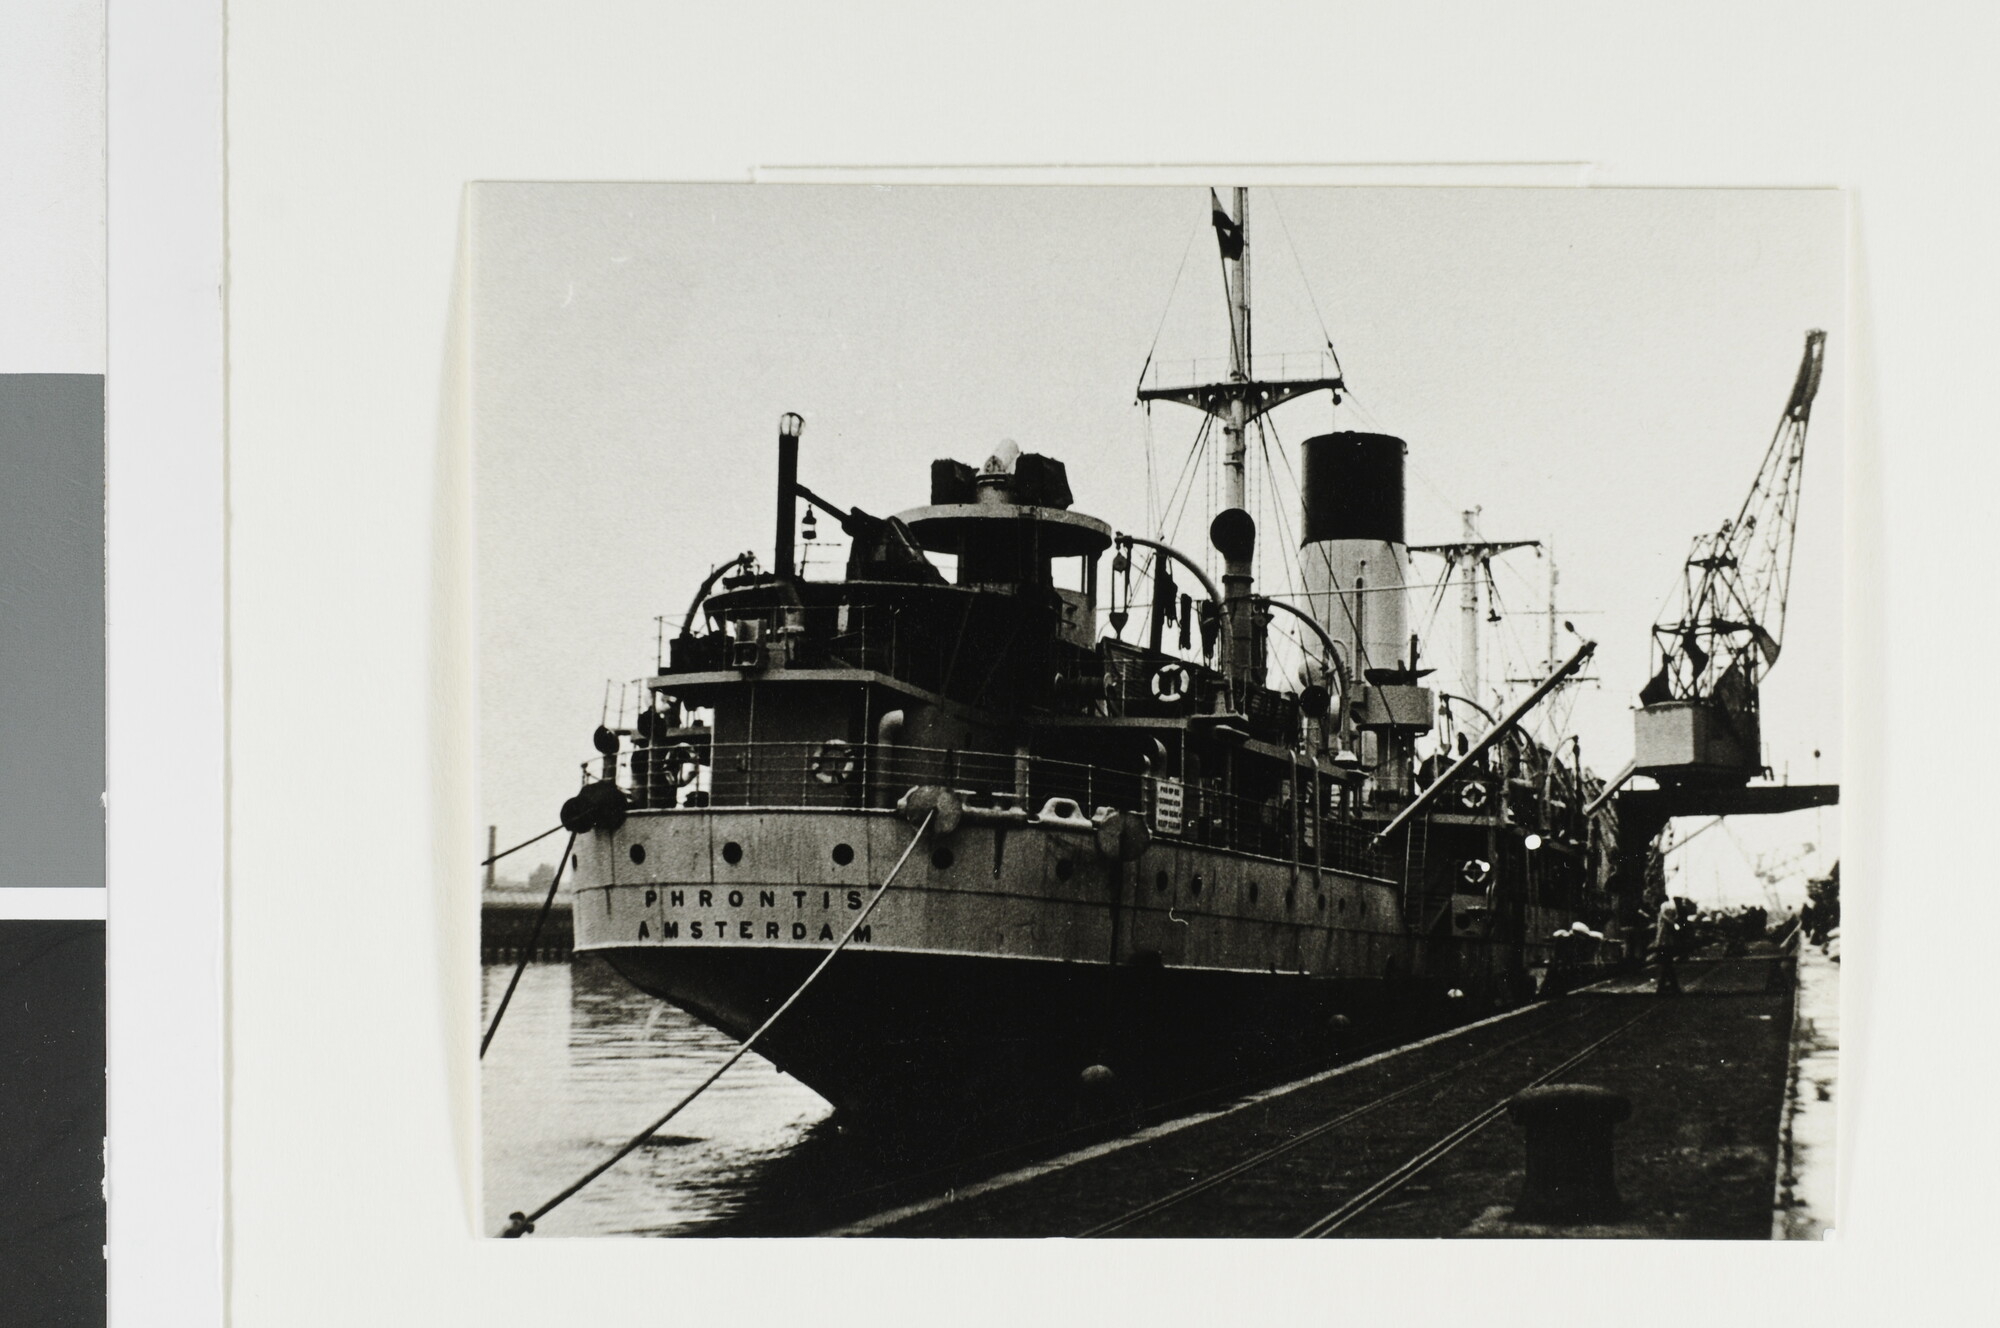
x,y
795,926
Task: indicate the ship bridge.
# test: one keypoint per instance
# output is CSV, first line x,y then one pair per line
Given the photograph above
x,y
979,531
1006,519
1007,524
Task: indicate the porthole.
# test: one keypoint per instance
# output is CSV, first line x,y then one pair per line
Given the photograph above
x,y
1194,885
732,853
573,865
638,852
1291,900
1064,869
1253,892
942,859
1322,903
843,854
1160,881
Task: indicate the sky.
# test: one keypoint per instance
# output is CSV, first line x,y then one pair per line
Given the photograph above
x,y
1597,369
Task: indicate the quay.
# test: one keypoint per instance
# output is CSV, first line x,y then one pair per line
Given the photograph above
x,y
507,926
1416,1141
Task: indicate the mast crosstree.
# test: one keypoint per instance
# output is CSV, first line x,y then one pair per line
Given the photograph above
x,y
1473,558
1237,401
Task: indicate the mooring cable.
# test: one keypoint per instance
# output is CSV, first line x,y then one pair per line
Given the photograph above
x,y
528,951
521,1224
488,862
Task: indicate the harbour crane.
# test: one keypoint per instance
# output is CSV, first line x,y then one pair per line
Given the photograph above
x,y
1697,722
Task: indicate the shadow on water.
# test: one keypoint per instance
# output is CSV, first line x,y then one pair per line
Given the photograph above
x,y
583,1060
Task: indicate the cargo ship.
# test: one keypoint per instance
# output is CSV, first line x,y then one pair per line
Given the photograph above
x,y
1134,850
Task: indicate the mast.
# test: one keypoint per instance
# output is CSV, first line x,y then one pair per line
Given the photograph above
x,y
1237,403
1468,615
1552,608
1472,558
1236,275
1237,576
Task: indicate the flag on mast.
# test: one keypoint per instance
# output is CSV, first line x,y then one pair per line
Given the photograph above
x,y
1227,233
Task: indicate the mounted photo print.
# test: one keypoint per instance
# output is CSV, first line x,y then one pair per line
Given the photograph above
x,y
1157,711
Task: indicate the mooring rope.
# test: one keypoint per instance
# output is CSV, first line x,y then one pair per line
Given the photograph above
x,y
521,1224
528,951
488,862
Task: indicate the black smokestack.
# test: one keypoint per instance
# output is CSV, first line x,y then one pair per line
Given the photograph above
x,y
1353,485
789,427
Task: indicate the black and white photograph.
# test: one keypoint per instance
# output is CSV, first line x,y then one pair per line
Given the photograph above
x,y
1166,711
791,663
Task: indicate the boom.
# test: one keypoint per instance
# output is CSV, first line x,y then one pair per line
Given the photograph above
x,y
1731,620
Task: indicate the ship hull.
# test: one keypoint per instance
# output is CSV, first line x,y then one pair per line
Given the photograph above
x,y
890,1036
1007,961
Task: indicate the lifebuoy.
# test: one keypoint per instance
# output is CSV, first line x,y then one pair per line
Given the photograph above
x,y
1475,871
683,766
835,762
1472,796
1171,682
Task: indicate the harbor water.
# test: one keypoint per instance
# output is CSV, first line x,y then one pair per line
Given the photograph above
x,y
583,1062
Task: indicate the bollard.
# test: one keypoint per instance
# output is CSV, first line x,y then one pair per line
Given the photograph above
x,y
1569,1152
1783,974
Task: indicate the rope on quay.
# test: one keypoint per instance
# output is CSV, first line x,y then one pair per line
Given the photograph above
x,y
534,938
521,1224
488,862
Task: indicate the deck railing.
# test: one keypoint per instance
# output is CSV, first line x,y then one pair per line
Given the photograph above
x,y
1282,366
836,774
1114,681
819,636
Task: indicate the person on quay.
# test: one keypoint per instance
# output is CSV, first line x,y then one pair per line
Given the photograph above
x,y
1666,941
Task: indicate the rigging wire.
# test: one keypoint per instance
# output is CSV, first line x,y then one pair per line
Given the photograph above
x,y
1289,566
1443,583
1185,478
1511,657
1152,470
1430,486
1292,574
1176,504
534,942
1185,251
1284,522
1372,590
1298,262
1294,546
487,862
1351,399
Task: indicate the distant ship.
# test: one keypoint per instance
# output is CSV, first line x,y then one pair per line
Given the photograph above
x,y
1150,862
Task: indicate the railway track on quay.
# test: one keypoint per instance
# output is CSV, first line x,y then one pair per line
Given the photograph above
x,y
1400,1144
